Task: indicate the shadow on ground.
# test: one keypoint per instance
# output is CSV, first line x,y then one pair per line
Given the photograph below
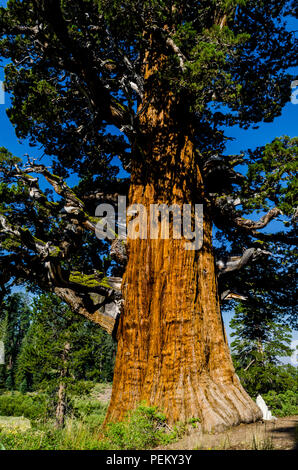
x,y
280,434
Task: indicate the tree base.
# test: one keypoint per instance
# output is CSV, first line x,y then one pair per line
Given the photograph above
x,y
222,406
218,405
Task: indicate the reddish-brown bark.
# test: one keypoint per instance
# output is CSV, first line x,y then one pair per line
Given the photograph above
x,y
172,350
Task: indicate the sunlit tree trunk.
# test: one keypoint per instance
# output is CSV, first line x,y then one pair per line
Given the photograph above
x,y
172,349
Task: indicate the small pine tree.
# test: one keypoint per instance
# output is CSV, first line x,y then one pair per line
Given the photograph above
x,y
61,350
23,388
9,382
260,343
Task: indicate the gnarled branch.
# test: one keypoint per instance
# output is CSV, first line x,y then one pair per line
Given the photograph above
x,y
225,216
263,222
238,262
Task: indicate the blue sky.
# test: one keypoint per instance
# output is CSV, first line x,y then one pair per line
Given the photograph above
x,y
286,124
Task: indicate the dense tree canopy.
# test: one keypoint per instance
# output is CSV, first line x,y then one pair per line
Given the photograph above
x,y
75,74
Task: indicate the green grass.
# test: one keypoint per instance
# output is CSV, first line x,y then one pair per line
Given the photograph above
x,y
89,411
34,406
144,428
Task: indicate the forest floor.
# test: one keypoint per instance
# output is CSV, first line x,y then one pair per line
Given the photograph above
x,y
280,434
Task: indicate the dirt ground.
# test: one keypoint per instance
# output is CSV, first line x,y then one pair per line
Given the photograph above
x,y
280,434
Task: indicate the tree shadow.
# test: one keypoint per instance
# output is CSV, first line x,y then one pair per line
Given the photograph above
x,y
290,431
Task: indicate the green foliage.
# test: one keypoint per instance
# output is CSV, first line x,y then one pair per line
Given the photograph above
x,y
17,423
75,436
261,379
258,340
34,406
89,411
282,404
15,320
7,158
143,429
260,343
3,328
271,176
40,361
30,440
210,46
23,388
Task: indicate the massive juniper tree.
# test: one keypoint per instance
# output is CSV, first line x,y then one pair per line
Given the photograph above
x,y
157,84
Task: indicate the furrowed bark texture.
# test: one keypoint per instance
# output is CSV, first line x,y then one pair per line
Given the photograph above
x,y
172,350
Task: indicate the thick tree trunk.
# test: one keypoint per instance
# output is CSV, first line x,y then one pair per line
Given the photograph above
x,y
172,350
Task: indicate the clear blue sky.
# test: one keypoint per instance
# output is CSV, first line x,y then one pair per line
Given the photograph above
x,y
286,124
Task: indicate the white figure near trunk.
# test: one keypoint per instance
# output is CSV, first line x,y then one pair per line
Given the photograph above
x,y
267,416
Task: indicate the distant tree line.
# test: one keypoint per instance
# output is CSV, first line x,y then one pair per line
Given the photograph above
x,y
47,349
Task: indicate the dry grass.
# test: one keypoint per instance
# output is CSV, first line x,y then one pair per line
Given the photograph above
x,y
19,424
